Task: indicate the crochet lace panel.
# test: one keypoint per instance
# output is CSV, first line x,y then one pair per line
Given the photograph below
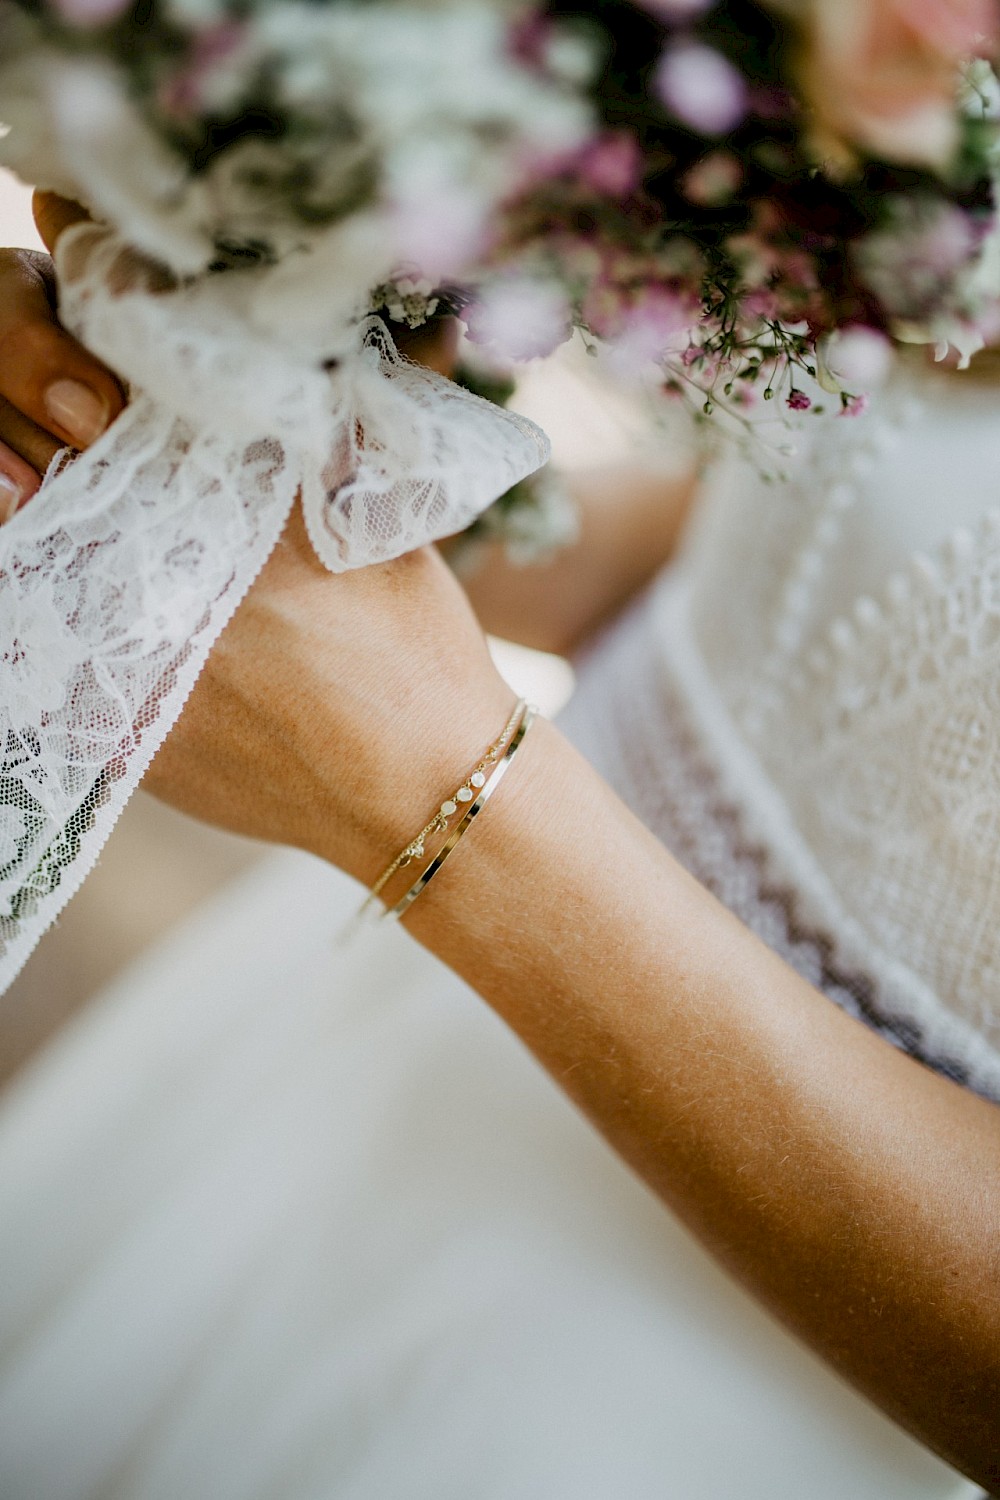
x,y
879,726
662,764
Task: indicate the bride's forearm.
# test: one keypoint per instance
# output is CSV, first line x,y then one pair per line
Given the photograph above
x,y
855,1192
630,518
852,1190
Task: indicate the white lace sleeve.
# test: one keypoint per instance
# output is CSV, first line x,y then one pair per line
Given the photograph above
x,y
118,578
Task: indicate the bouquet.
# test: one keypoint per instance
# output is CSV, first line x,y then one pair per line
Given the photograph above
x,y
746,199
687,180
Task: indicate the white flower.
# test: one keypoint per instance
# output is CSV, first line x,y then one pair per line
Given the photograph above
x,y
979,91
406,299
411,125
701,88
856,358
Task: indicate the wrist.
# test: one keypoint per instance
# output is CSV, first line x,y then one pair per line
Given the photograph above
x,y
399,779
518,862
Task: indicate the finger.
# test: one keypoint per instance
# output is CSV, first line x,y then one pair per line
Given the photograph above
x,y
31,442
18,482
54,215
44,372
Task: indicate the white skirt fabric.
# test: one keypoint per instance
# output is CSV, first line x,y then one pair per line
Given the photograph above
x,y
281,1222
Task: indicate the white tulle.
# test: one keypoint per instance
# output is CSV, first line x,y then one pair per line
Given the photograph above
x,y
116,581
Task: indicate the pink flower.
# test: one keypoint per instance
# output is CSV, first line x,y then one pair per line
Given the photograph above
x,y
439,228
713,180
184,92
612,165
912,262
798,269
881,74
520,318
798,400
658,323
701,88
761,303
854,406
87,14
529,38
949,241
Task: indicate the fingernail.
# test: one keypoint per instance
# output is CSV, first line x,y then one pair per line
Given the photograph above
x,y
78,410
10,498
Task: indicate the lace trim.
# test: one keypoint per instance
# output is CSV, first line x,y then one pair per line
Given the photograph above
x,y
116,581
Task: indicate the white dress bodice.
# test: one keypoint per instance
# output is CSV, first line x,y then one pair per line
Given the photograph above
x,y
807,711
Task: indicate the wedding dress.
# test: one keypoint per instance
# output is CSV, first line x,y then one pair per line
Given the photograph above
x,y
286,1221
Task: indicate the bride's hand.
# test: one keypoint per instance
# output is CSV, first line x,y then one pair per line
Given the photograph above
x,y
336,712
332,708
53,393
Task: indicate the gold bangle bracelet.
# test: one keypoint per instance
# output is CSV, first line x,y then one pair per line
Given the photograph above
x,y
475,808
439,823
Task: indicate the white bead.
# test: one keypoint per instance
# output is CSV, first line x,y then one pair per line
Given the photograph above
x,y
447,808
810,565
464,794
841,635
478,779
827,531
788,637
898,589
797,593
866,611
